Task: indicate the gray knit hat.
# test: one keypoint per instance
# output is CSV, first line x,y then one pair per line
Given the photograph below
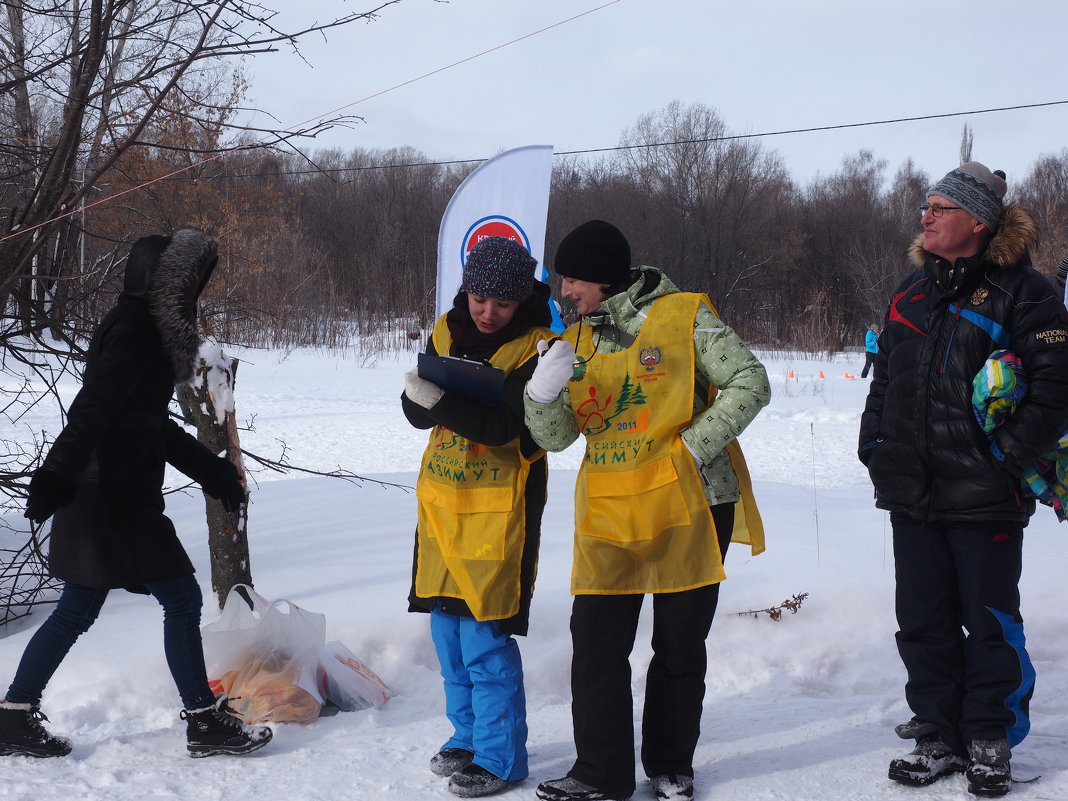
x,y
975,189
498,267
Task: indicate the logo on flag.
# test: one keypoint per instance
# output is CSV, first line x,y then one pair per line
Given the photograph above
x,y
494,225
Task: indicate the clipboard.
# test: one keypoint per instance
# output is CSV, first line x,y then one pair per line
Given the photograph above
x,y
475,380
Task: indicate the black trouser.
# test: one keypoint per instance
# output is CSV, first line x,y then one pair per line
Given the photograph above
x,y
869,360
603,628
961,634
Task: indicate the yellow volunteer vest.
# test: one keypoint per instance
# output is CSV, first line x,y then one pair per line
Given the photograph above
x,y
472,508
642,522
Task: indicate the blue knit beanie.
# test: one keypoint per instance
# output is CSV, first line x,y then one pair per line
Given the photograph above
x,y
498,267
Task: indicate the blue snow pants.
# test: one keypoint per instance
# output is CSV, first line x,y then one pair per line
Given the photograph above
x,y
961,634
484,697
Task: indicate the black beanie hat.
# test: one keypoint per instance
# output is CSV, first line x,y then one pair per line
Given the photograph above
x,y
597,252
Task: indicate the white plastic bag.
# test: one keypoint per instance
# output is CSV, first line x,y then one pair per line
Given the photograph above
x,y
264,655
347,682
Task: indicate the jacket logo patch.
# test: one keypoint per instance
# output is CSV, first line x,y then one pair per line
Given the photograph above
x,y
1054,336
650,357
979,296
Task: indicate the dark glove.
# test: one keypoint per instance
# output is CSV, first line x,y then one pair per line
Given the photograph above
x,y
222,481
47,492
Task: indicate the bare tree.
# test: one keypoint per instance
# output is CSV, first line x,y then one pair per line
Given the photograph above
x,y
967,138
83,81
92,94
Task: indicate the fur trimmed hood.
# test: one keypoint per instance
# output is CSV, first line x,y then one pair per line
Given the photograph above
x,y
169,273
1016,235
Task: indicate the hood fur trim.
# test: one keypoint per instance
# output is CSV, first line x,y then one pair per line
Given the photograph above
x,y
1017,234
172,297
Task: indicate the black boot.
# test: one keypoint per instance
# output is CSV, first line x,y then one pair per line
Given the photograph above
x,y
989,773
217,730
449,760
21,733
928,762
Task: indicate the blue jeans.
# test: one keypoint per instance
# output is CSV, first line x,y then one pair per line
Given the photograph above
x,y
484,697
78,609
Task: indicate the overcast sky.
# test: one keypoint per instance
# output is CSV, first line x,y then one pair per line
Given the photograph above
x,y
763,65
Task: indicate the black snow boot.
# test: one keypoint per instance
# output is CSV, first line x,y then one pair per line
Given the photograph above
x,y
989,774
672,787
474,781
571,789
928,762
449,760
21,733
216,730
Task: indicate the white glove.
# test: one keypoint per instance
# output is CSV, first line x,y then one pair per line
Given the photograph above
x,y
420,391
554,370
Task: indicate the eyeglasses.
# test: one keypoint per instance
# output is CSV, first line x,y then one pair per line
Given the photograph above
x,y
937,209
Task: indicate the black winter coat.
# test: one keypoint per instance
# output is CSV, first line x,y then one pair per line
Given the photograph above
x,y
925,452
118,435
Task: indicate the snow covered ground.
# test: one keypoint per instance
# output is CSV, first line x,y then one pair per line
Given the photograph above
x,y
799,709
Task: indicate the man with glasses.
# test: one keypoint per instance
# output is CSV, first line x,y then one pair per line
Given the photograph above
x,y
954,495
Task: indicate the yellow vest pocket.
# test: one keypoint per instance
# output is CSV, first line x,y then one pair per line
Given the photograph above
x,y
634,505
466,523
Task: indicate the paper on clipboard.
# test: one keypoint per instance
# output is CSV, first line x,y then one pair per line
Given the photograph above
x,y
476,380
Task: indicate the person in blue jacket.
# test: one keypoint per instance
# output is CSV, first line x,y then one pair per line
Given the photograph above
x,y
871,348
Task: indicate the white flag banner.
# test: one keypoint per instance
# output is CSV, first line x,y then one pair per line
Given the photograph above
x,y
507,195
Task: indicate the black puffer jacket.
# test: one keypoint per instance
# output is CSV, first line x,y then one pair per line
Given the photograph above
x,y
925,452
118,436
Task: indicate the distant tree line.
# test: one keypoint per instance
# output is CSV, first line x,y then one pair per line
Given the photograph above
x,y
319,249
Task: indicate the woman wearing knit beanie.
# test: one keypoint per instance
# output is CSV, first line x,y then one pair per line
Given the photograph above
x,y
481,491
660,388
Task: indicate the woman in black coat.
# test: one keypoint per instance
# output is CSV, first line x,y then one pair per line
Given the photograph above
x,y
103,480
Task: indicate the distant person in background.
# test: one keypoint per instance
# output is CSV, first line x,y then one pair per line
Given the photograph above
x,y
871,348
103,479
481,492
660,388
954,497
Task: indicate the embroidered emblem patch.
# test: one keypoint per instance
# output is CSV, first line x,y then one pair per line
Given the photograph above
x,y
650,357
980,295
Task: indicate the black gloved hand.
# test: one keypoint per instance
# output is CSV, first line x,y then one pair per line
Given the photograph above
x,y
47,492
1007,458
222,481
865,451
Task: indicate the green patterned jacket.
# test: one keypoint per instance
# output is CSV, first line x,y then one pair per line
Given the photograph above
x,y
722,360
